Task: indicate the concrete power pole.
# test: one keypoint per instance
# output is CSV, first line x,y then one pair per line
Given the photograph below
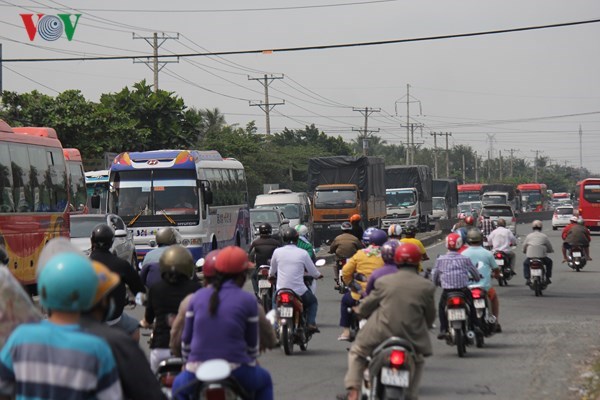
x,y
476,170
0,69
153,42
266,106
463,167
580,133
536,165
366,112
447,155
511,160
435,153
501,166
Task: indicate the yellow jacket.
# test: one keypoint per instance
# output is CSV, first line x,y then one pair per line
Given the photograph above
x,y
365,261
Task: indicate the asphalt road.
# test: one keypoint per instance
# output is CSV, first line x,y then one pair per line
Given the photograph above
x,y
535,357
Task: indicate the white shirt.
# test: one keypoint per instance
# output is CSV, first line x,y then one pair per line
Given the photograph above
x,y
501,238
289,264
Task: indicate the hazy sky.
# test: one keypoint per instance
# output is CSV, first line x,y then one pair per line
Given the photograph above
x,y
523,88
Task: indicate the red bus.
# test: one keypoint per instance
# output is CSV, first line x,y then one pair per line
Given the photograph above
x,y
34,195
534,196
77,188
589,203
469,192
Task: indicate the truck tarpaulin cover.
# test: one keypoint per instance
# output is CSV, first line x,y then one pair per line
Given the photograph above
x,y
399,176
447,188
365,172
500,187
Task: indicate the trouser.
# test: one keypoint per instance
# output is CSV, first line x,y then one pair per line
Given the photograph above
x,y
442,308
156,356
345,316
547,262
493,296
255,281
309,300
357,363
255,380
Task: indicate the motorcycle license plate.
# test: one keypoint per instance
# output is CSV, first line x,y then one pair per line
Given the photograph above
x,y
264,284
394,377
286,312
457,314
479,303
500,261
536,272
485,244
576,254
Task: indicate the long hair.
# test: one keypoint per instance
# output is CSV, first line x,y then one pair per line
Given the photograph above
x,y
217,283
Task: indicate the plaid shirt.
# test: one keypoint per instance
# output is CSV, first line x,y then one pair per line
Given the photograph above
x,y
487,226
452,270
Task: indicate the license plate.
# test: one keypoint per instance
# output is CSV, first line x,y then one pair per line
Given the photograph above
x,y
286,312
536,272
485,244
457,314
264,284
479,303
500,262
394,377
576,254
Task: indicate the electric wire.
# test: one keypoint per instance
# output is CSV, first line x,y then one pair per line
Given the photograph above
x,y
32,80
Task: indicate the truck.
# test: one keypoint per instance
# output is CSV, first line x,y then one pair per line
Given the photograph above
x,y
341,186
445,199
494,193
408,193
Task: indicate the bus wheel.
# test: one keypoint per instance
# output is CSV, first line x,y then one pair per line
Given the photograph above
x,y
214,244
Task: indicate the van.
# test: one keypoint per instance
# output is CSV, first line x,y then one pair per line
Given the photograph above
x,y
295,206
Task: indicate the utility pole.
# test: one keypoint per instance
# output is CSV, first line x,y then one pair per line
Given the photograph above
x,y
501,166
366,112
411,145
463,168
266,106
153,42
580,134
408,124
435,134
536,165
476,170
511,160
435,153
489,165
0,69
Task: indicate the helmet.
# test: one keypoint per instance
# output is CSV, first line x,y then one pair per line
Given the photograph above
x,y
378,237
233,260
209,269
301,229
388,250
395,230
410,230
290,235
265,229
573,219
103,236
462,215
501,222
469,220
178,260
67,283
580,221
537,224
366,237
355,218
346,226
474,236
107,281
166,236
407,254
454,241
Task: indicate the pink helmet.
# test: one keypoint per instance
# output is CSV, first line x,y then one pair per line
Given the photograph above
x,y
454,241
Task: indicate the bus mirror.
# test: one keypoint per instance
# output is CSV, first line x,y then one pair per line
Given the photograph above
x,y
95,201
208,197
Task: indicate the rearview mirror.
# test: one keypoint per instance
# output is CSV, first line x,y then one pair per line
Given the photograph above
x,y
120,233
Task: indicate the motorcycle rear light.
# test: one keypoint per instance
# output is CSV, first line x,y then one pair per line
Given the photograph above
x,y
167,380
216,394
455,301
264,272
285,298
477,293
498,255
397,358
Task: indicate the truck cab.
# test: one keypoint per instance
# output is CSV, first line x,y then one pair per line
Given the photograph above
x,y
401,207
489,198
332,205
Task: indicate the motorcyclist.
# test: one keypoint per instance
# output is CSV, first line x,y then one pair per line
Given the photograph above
x,y
102,240
261,250
364,262
410,233
150,273
487,266
388,251
537,245
289,265
486,224
501,239
343,246
453,271
357,230
401,304
576,234
222,323
176,268
303,241
395,231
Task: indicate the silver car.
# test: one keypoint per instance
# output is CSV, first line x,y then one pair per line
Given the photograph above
x,y
497,211
81,231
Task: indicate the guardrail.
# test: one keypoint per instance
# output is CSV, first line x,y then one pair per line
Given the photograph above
x,y
445,225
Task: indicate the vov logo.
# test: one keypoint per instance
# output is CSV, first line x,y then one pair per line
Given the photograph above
x,y
50,27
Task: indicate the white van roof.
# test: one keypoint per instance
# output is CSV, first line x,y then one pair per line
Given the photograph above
x,y
281,198
279,191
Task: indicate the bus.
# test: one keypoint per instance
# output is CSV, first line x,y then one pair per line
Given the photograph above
x,y
469,192
77,187
96,183
534,196
201,194
34,196
589,203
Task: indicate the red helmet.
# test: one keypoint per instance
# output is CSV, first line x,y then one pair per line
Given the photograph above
x,y
209,269
469,220
232,260
407,254
355,218
454,241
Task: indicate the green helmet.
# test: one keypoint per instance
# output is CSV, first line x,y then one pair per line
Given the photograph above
x,y
176,260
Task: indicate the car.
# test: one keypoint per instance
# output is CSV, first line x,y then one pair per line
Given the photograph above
x,y
272,216
504,211
472,208
561,216
82,226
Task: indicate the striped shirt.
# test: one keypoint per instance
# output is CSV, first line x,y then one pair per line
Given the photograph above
x,y
452,271
49,361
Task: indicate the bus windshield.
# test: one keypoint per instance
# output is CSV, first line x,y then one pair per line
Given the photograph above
x,y
531,197
335,199
464,197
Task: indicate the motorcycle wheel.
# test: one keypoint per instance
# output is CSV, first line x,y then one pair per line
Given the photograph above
x,y
393,393
501,281
537,287
479,341
461,345
266,302
287,340
304,345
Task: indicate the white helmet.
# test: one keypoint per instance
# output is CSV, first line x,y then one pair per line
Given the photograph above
x,y
537,224
301,229
395,230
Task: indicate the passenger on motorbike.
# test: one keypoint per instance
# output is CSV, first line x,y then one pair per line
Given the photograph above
x,y
261,250
395,231
410,233
486,225
289,265
402,305
453,271
357,230
576,234
303,241
388,251
344,246
537,245
150,273
364,262
222,322
502,239
486,265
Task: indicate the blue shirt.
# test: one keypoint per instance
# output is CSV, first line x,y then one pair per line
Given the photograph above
x,y
485,262
452,270
153,256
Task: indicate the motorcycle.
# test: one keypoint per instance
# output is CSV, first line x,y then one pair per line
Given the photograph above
x,y
457,313
537,273
483,309
576,259
506,272
265,288
390,371
216,382
166,373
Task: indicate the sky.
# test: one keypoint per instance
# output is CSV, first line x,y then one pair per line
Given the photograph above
x,y
528,91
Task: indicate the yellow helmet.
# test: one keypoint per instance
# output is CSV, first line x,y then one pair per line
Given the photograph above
x,y
107,281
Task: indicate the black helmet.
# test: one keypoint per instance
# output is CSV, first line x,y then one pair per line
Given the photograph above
x,y
102,236
176,262
166,236
265,229
410,230
290,235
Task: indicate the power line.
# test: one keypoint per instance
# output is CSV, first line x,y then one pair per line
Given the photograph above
x,y
318,47
32,80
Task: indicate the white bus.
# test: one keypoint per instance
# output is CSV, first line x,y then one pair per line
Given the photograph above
x,y
96,183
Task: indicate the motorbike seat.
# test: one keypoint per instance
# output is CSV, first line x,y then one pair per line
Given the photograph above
x,y
394,341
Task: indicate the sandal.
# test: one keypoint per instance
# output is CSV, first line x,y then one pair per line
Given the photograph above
x,y
343,338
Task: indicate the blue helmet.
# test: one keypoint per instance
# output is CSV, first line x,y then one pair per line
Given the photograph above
x,y
67,282
388,249
366,238
378,237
